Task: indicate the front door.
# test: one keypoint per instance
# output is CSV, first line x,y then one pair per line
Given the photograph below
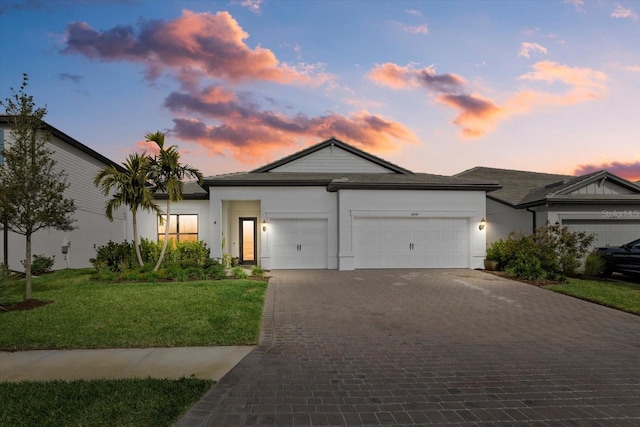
x,y
248,246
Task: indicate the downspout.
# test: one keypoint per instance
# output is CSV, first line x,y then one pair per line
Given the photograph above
x,y
535,220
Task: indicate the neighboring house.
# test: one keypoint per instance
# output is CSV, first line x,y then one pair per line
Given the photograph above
x,y
93,229
599,203
333,206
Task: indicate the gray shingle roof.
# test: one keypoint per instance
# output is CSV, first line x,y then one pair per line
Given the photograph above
x,y
516,185
336,181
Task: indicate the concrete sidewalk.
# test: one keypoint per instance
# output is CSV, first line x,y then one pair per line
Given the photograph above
x,y
199,362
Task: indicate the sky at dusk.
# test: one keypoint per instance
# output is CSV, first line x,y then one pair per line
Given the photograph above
x,y
432,86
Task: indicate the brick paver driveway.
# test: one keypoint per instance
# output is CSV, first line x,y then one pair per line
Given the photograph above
x,y
419,347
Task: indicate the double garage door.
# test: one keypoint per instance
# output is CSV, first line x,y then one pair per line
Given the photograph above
x,y
411,242
377,243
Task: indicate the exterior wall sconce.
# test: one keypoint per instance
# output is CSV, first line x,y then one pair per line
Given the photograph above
x,y
483,223
264,225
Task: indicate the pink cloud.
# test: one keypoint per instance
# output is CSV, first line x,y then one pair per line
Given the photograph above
x,y
399,77
627,170
621,12
527,48
194,45
478,114
249,133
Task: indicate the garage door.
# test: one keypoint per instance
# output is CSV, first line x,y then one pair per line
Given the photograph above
x,y
298,243
411,242
608,232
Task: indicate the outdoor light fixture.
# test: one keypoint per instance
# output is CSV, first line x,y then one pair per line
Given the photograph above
x,y
483,222
264,225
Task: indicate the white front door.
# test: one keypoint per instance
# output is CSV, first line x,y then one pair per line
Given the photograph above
x,y
411,242
298,243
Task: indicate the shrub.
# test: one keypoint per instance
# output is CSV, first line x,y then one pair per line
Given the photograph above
x,y
114,256
239,273
214,270
40,264
550,253
193,252
594,265
257,271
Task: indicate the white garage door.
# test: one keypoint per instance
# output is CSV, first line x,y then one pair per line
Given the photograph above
x,y
608,232
298,243
411,242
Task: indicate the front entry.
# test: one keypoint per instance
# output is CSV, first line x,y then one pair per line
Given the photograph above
x,y
248,241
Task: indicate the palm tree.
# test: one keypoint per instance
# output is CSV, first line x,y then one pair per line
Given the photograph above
x,y
132,188
168,174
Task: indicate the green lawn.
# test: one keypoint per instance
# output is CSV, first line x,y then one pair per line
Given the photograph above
x,y
128,402
86,313
621,295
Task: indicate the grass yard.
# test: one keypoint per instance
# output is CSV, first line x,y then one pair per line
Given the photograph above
x,y
127,402
620,295
86,313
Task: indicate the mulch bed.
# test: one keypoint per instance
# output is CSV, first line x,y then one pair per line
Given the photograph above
x,y
28,304
529,282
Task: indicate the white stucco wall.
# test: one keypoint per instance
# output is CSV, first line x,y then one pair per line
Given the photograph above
x,y
275,203
503,219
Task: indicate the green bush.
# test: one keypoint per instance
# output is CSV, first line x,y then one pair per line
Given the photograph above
x,y
121,257
214,270
239,273
114,257
594,265
257,271
552,252
40,264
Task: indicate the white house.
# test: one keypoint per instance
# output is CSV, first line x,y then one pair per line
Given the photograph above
x,y
72,249
599,203
334,206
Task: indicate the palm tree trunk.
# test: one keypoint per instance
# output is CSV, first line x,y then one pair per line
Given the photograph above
x,y
135,239
166,236
27,269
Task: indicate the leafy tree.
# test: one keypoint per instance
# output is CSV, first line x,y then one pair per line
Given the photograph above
x,y
132,188
168,175
31,186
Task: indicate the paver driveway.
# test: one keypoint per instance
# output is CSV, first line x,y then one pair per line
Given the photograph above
x,y
418,347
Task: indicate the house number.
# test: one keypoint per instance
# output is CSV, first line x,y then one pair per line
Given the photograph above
x,y
415,214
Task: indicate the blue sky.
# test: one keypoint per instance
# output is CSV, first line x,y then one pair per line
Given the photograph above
x,y
433,86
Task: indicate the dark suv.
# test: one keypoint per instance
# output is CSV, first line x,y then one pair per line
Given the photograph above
x,y
623,259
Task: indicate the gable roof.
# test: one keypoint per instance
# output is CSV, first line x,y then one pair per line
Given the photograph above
x,y
515,184
4,118
337,143
523,189
565,191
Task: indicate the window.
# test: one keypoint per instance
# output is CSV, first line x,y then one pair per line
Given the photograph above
x,y
183,228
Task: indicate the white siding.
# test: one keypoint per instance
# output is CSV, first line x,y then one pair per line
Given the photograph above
x,y
329,160
602,189
92,227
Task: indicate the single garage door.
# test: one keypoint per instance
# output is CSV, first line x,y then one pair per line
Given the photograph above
x,y
298,243
411,242
608,232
